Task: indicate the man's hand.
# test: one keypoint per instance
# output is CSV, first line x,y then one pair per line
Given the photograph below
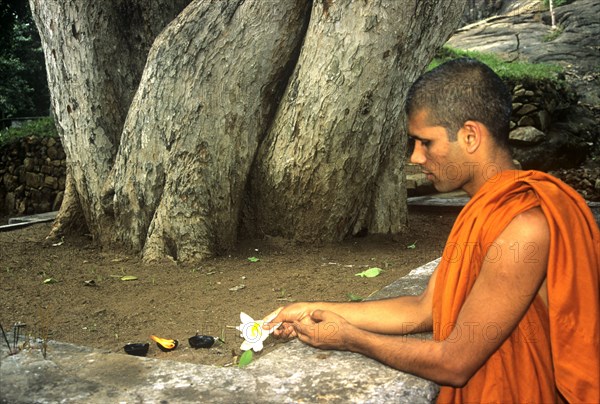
x,y
287,316
325,330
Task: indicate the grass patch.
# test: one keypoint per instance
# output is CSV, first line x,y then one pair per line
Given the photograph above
x,y
43,127
555,3
553,34
516,71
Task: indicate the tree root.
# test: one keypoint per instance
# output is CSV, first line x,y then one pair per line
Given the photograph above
x,y
70,218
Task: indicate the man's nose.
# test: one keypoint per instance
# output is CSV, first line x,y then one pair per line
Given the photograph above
x,y
417,156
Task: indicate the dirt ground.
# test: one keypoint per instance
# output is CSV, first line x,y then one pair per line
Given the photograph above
x,y
74,292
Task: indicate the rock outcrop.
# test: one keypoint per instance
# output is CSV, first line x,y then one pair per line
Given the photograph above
x,y
524,32
568,116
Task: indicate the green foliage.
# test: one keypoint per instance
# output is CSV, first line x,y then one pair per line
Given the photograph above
x,y
553,34
355,298
516,71
15,93
39,128
555,3
245,359
23,88
370,273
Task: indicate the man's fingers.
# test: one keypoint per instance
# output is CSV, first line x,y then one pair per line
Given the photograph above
x,y
318,315
285,331
298,327
272,320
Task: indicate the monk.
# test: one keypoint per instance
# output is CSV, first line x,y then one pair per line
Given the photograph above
x,y
514,303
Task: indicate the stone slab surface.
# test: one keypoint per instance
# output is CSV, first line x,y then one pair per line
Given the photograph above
x,y
412,284
458,199
15,223
292,373
37,218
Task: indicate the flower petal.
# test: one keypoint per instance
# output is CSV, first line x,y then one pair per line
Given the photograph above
x,y
272,330
246,345
258,346
244,318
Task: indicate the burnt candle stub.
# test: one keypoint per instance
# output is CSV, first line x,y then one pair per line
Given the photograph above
x,y
137,349
201,341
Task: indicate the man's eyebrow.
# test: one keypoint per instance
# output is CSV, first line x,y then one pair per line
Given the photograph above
x,y
416,136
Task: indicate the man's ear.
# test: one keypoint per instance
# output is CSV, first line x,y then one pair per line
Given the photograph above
x,y
471,135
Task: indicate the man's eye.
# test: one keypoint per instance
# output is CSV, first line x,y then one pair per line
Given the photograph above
x,y
425,142
410,147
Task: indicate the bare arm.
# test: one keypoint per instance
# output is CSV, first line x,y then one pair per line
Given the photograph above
x,y
504,290
397,315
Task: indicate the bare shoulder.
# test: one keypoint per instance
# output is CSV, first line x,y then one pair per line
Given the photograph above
x,y
530,225
523,246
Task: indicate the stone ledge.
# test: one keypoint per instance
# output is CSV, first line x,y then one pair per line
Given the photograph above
x,y
37,218
292,373
412,284
24,221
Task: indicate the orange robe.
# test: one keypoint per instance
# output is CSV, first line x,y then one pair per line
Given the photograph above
x,y
554,347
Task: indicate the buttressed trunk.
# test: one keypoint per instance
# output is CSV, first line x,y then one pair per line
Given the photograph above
x,y
183,125
332,162
95,54
205,100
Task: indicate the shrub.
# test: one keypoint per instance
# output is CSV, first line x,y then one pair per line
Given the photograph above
x,y
513,71
39,128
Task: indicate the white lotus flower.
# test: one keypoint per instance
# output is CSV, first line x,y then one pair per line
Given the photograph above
x,y
253,333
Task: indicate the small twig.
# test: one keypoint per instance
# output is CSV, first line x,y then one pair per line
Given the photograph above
x,y
6,339
44,347
16,334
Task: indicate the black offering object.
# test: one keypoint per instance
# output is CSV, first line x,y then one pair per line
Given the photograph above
x,y
201,341
137,349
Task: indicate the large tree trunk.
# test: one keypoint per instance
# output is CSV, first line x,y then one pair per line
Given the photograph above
x,y
207,96
287,112
95,54
332,163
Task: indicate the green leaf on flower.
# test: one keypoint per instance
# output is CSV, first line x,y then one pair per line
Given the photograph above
x,y
370,273
245,359
253,259
129,278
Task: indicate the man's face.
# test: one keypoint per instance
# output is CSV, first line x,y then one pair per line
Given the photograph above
x,y
440,159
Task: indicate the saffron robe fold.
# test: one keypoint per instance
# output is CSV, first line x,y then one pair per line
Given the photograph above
x,y
554,347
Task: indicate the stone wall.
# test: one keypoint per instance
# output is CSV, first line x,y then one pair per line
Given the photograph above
x,y
477,10
32,175
549,130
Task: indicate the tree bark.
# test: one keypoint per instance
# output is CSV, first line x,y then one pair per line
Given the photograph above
x,y
207,97
332,163
175,120
71,217
95,54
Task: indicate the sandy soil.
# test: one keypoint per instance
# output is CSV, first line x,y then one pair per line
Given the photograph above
x,y
74,292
